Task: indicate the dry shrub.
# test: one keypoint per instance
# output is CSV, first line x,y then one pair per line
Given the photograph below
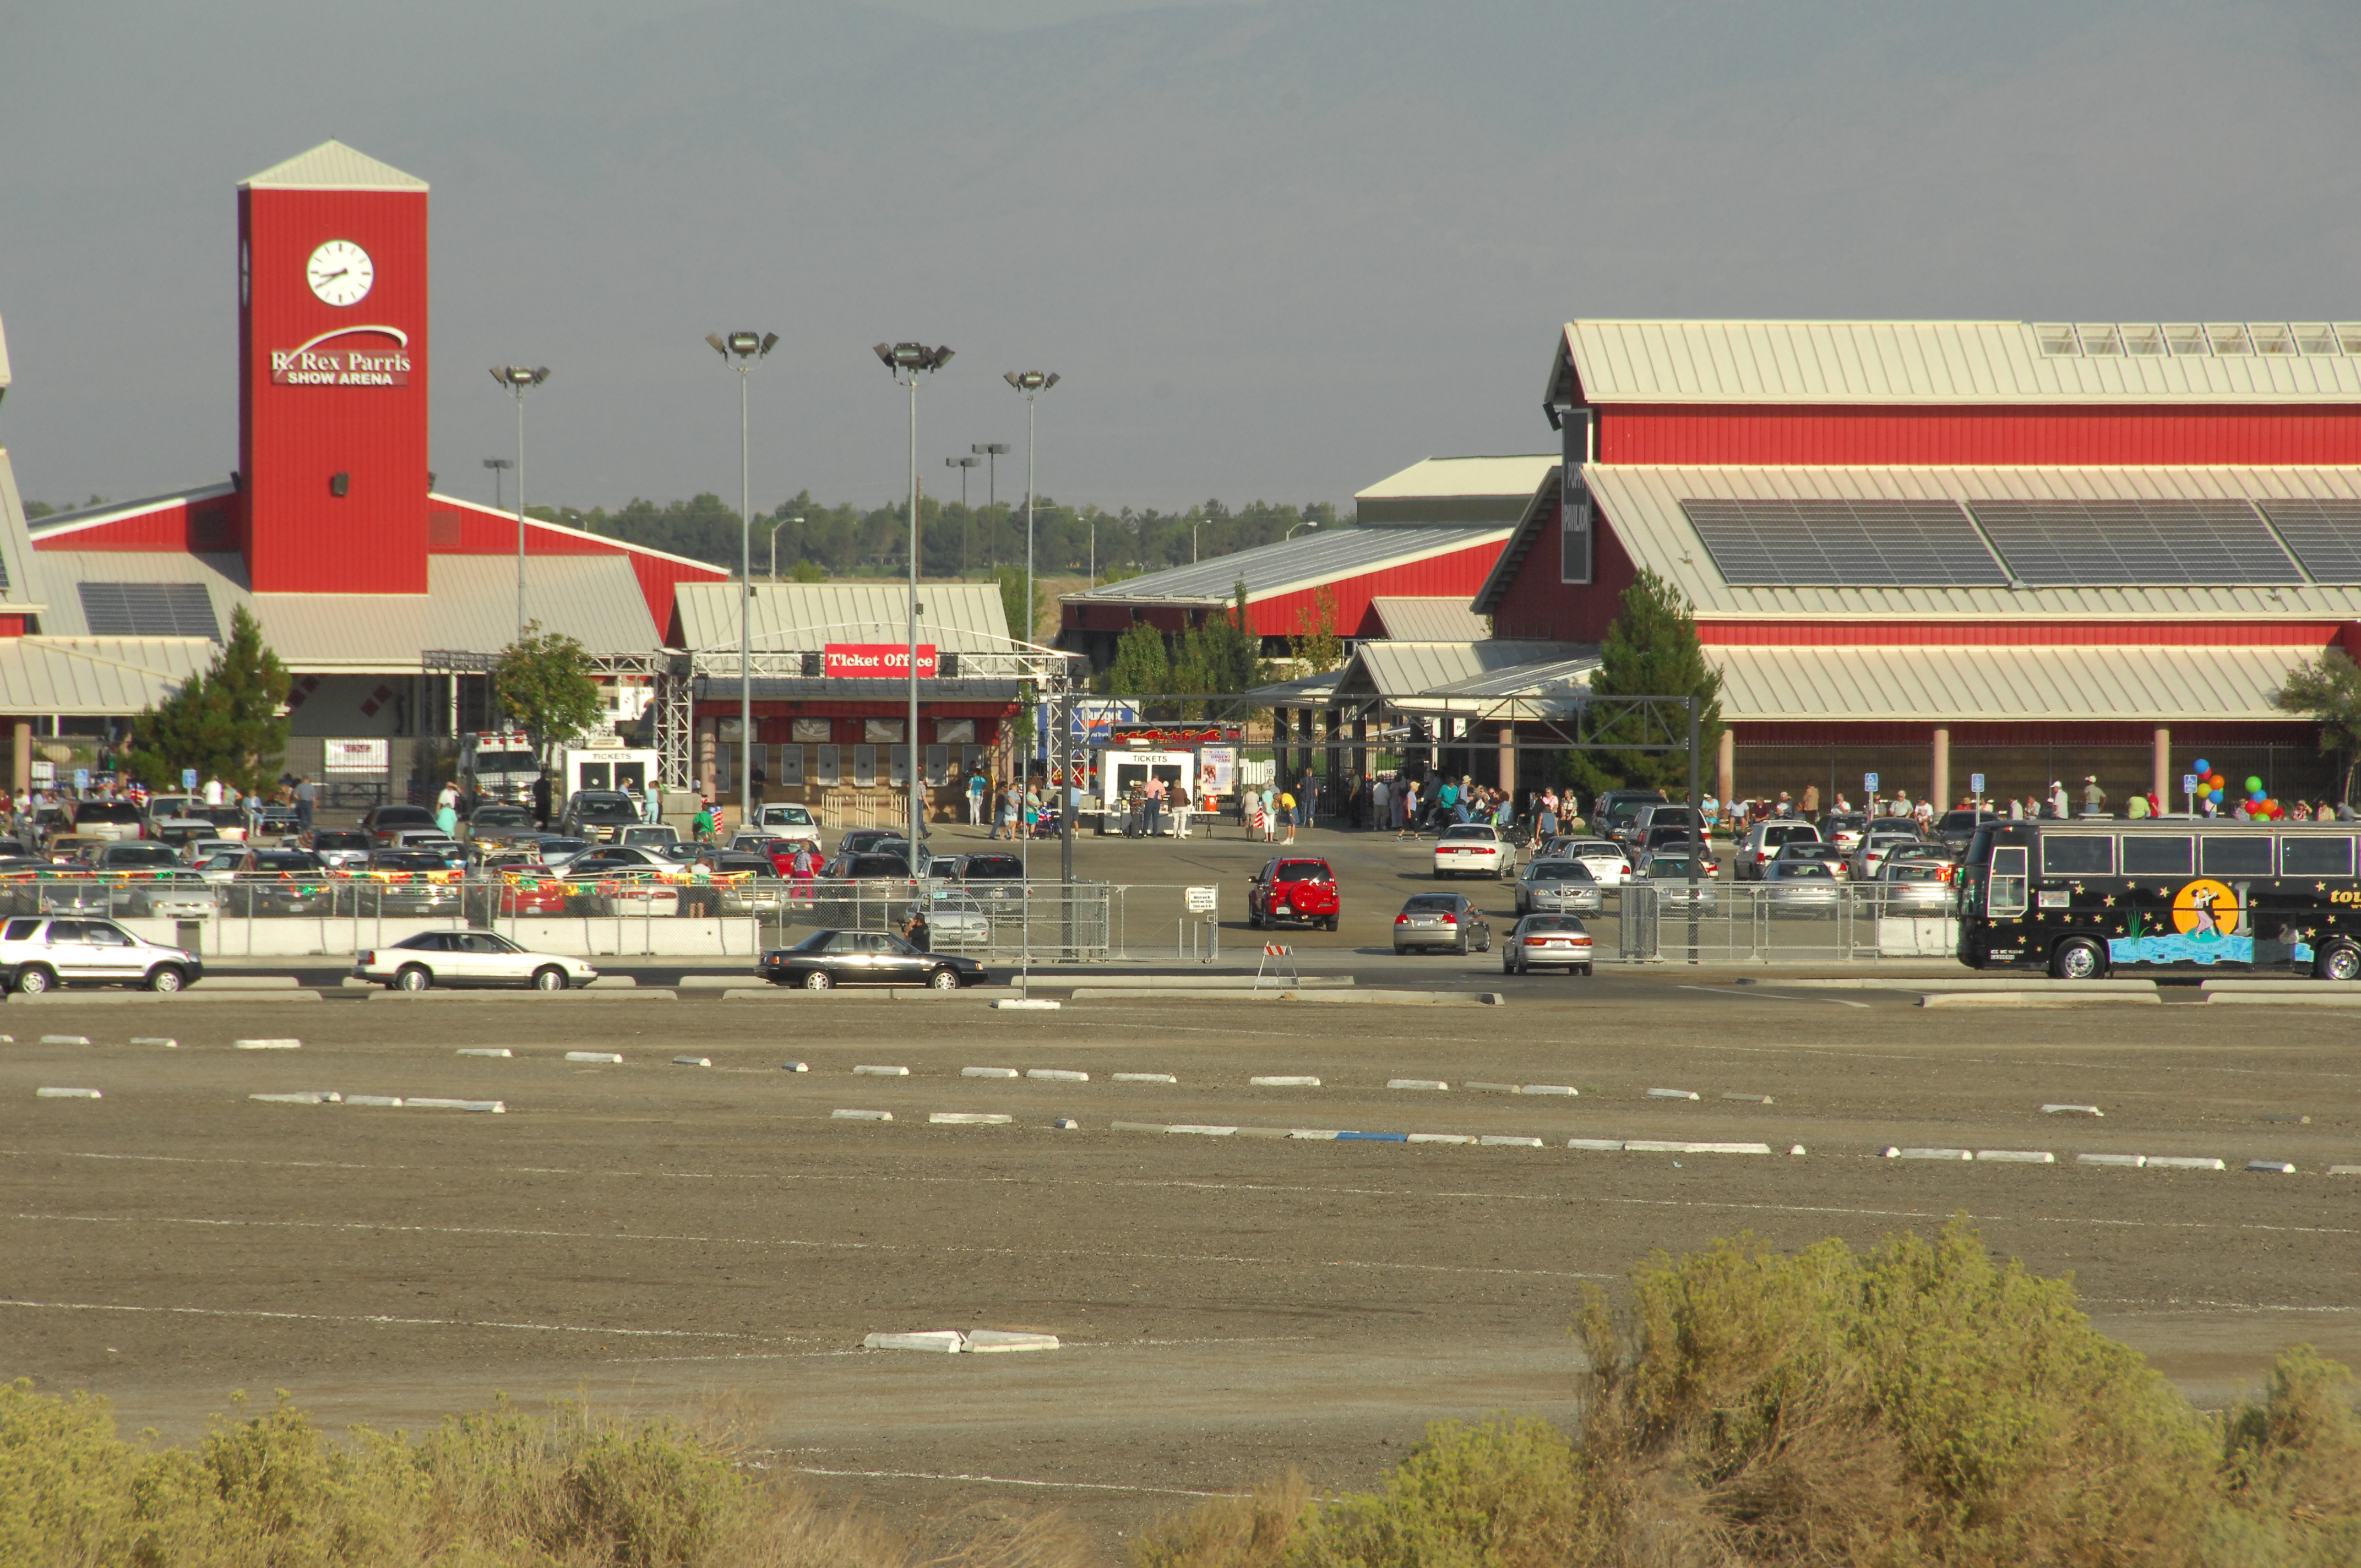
x,y
1920,1406
1250,1530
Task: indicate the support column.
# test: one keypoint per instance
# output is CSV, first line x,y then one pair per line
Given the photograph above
x,y
705,759
24,753
1282,741
1725,768
2160,779
1360,748
1938,769
1508,760
1306,738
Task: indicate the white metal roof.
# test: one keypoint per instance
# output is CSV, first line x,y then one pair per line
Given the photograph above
x,y
1641,505
1306,561
1400,671
22,592
332,166
1421,620
2151,684
1958,361
470,604
959,618
41,675
4,358
1452,490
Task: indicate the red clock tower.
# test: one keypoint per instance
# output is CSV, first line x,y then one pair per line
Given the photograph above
x,y
332,376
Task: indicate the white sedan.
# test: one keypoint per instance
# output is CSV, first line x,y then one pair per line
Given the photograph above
x,y
1606,862
468,958
1472,848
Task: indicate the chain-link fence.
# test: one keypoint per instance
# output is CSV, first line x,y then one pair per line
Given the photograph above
x,y
1814,922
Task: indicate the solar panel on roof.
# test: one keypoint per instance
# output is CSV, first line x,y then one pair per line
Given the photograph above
x,y
2325,534
1763,542
149,609
2074,543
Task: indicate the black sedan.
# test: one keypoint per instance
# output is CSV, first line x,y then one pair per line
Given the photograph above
x,y
829,958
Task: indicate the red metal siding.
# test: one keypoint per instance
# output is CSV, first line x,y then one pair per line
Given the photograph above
x,y
1457,574
1661,433
1537,605
462,529
291,439
2025,633
207,526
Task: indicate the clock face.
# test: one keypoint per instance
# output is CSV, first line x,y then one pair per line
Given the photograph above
x,y
340,272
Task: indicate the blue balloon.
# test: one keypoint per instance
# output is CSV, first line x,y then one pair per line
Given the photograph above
x,y
2203,767
2257,796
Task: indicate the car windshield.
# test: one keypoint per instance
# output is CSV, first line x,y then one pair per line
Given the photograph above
x,y
1802,871
792,815
1554,923
817,942
340,839
993,866
501,817
1431,901
106,811
141,855
1467,830
1302,870
388,817
1558,871
562,846
1592,848
1914,870
606,808
408,861
878,866
285,860
1891,840
1667,866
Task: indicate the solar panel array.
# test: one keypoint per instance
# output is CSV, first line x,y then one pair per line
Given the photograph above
x,y
1762,542
149,609
2092,543
2325,534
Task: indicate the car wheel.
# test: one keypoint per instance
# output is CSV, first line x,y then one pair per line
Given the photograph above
x,y
1330,924
2078,958
944,980
2338,960
1438,873
819,979
34,979
549,977
167,978
1487,943
1508,966
1462,945
1583,970
413,978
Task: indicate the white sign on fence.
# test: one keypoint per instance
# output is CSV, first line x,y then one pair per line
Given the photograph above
x,y
1201,900
348,757
44,771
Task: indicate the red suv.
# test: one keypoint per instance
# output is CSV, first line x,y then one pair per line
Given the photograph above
x,y
1301,892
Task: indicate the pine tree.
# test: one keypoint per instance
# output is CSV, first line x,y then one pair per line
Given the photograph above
x,y
1141,667
228,723
1651,650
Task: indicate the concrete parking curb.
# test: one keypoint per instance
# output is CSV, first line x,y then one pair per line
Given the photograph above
x,y
2037,998
489,993
794,995
156,998
67,1094
2279,999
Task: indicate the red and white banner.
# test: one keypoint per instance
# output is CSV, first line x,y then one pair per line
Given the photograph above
x,y
877,660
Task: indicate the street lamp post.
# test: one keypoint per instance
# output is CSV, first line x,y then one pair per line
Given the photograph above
x,y
774,543
967,522
747,347
1032,383
517,379
905,362
1307,523
498,465
992,452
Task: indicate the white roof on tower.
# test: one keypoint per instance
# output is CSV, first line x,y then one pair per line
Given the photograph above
x,y
332,166
4,360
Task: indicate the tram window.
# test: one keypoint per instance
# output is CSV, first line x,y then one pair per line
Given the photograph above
x,y
2305,855
2146,856
2077,854
2236,854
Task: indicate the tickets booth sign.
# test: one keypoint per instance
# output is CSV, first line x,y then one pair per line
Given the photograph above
x,y
877,660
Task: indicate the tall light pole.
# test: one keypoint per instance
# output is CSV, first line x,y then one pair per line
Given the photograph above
x,y
905,362
992,452
774,543
1032,383
748,347
517,379
1307,523
967,524
498,465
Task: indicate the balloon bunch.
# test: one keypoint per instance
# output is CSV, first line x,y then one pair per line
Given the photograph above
x,y
2257,800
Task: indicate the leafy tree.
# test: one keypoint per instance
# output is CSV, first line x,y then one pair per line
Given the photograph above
x,y
1141,667
1222,655
227,723
1025,627
1316,645
2327,690
1651,650
807,572
544,683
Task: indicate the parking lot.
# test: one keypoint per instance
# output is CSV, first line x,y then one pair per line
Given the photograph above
x,y
684,1237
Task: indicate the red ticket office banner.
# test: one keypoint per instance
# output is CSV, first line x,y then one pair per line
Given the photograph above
x,y
877,660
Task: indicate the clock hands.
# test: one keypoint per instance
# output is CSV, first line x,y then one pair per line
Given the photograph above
x,y
330,277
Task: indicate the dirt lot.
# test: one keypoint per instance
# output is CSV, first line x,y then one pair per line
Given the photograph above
x,y
683,1238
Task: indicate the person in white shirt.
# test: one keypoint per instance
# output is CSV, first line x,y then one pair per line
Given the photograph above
x,y
215,791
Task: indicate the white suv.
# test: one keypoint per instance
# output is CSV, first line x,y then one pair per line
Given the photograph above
x,y
38,953
1763,843
1472,848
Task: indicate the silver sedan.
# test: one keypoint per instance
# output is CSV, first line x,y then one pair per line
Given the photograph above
x,y
1799,887
1558,887
1914,887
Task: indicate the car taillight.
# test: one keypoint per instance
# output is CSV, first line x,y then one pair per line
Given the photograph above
x,y
370,957
1402,919
1451,920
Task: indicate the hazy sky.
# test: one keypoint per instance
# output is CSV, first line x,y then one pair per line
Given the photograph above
x,y
1278,250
